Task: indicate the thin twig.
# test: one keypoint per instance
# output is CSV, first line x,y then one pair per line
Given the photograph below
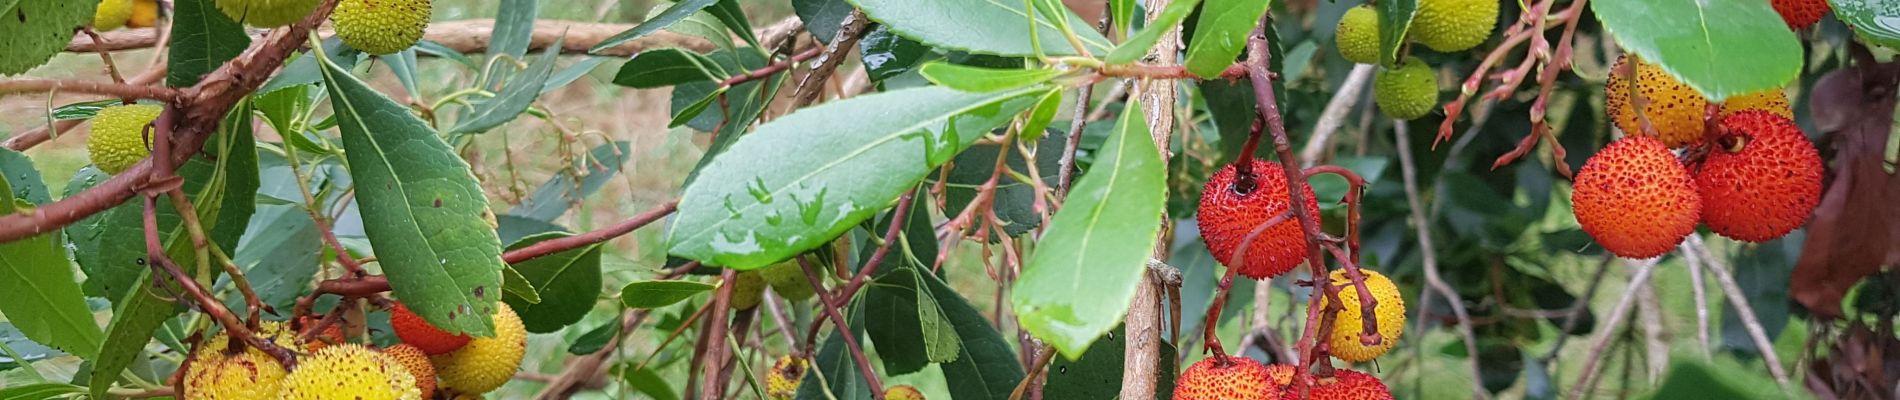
x,y
843,330
1422,227
1601,340
1694,259
1334,115
1739,302
119,90
557,245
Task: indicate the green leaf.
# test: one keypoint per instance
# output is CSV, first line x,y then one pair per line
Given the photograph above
x,y
650,383
595,339
733,16
1873,20
43,298
1700,42
982,80
1138,45
1078,283
656,294
280,256
203,38
40,391
822,17
514,28
567,281
560,192
1221,34
18,171
986,366
1040,116
516,287
886,55
134,319
84,109
907,324
402,64
994,27
1395,20
32,31
805,178
572,72
515,97
677,12
742,105
431,227
303,70
665,67
1122,14
834,376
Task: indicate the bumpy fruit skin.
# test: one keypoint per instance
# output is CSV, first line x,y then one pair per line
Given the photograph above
x,y
782,382
144,14
1227,216
788,280
1771,100
1358,35
1241,379
903,392
380,26
1800,14
1454,25
214,374
748,290
267,13
118,136
486,362
1347,324
332,334
111,14
418,332
1762,178
1635,198
1674,109
1408,91
349,371
1345,384
417,362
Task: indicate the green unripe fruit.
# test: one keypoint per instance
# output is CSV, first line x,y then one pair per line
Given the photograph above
x,y
267,13
380,26
1454,25
111,14
1358,35
118,136
747,290
788,280
1408,91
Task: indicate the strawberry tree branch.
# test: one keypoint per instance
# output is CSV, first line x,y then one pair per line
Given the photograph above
x,y
1739,301
557,245
717,325
1434,281
1141,353
843,330
162,264
850,31
120,90
1601,340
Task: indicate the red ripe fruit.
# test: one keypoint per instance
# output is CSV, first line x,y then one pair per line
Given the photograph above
x,y
1230,210
1635,198
1761,180
1345,384
418,332
1800,14
1241,378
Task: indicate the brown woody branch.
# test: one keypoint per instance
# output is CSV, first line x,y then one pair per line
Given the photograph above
x,y
120,90
466,36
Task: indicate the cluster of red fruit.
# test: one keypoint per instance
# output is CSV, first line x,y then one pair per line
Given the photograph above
x,y
1242,378
1750,174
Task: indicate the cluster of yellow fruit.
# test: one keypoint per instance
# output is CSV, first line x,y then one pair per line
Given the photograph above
x,y
1751,175
115,14
782,382
372,26
328,369
1243,378
1409,89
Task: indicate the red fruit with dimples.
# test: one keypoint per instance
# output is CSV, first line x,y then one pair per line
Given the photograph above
x,y
418,332
1232,208
1762,177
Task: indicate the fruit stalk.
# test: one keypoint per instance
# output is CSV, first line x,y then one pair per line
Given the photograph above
x,y
155,255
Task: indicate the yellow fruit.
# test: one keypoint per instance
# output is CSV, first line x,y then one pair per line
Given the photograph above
x,y
118,136
1408,91
485,363
903,392
1347,324
267,13
1454,25
417,362
380,26
748,290
349,371
782,382
788,280
1358,35
111,14
1771,100
1673,108
215,374
144,14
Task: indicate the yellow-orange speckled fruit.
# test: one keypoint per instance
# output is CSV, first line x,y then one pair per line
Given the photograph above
x,y
1761,180
417,362
1771,100
380,26
1389,312
903,392
1673,108
117,138
1241,379
782,382
486,362
1345,384
1635,198
252,374
1230,212
1357,35
748,290
349,371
